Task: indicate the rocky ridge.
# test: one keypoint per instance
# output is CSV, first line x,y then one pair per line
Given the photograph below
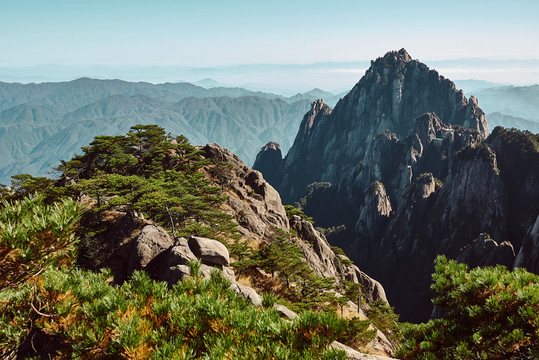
x,y
130,242
405,162
394,91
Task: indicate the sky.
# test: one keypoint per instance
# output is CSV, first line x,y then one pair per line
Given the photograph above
x,y
217,34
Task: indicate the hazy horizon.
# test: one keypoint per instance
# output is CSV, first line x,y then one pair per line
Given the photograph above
x,y
285,79
279,45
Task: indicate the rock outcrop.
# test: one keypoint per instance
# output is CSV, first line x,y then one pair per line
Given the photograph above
x,y
254,203
152,241
257,208
209,251
270,158
352,354
133,243
486,252
326,263
394,91
528,256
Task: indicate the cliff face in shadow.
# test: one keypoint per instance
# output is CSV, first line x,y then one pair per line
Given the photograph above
x,y
406,163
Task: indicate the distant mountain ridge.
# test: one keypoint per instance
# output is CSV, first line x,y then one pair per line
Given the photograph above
x,y
43,123
516,101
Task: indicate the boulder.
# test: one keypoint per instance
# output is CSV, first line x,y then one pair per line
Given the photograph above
x,y
152,241
284,311
180,253
352,354
248,293
176,273
171,264
209,251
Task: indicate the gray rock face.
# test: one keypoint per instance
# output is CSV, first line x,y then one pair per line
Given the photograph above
x,y
486,252
374,215
386,162
431,220
113,248
528,256
255,204
258,210
326,263
248,293
394,91
209,251
409,130
152,241
270,157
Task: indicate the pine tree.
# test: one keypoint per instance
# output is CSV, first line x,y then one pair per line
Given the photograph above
x,y
492,313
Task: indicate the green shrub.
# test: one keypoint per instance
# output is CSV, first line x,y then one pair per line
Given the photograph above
x,y
197,318
268,299
492,313
34,235
291,211
357,333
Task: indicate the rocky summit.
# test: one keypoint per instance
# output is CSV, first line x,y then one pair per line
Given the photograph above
x,y
393,93
405,168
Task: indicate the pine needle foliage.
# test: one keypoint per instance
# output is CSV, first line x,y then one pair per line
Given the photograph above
x,y
493,313
150,172
198,319
34,235
77,313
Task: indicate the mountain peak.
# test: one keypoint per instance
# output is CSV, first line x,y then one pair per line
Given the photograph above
x,y
271,145
317,107
393,58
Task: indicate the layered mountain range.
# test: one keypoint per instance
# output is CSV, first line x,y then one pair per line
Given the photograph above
x,y
511,106
408,165
43,123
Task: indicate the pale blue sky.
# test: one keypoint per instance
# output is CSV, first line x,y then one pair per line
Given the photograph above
x,y
219,33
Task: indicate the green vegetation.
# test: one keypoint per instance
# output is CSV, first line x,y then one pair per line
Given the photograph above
x,y
357,333
526,142
24,185
34,235
284,260
291,211
73,312
82,315
47,236
332,231
492,313
152,173
341,255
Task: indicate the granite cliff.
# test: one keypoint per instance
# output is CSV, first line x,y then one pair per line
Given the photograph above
x,y
394,91
405,162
